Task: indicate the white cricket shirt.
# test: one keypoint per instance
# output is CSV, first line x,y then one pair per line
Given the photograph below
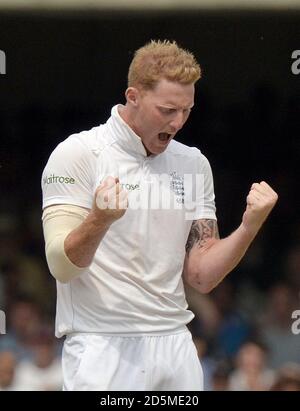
x,y
134,284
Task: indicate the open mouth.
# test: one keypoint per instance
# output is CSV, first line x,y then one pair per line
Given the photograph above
x,y
164,136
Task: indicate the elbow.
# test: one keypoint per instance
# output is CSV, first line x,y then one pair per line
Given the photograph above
x,y
198,281
60,277
204,288
57,269
60,266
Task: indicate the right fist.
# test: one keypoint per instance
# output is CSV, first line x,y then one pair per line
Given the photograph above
x,y
111,200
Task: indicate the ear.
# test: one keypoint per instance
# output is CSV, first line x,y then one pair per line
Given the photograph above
x,y
132,96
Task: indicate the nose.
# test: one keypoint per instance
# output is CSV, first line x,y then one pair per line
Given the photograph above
x,y
177,122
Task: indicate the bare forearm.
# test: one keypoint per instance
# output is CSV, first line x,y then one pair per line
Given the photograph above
x,y
206,266
82,243
209,259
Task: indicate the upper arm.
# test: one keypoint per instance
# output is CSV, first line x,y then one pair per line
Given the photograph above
x,y
68,177
201,234
58,222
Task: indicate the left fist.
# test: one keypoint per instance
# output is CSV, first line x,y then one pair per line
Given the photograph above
x,y
260,201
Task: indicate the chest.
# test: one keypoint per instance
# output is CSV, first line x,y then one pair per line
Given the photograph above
x,y
153,183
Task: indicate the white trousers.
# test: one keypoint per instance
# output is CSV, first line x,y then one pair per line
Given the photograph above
x,y
95,362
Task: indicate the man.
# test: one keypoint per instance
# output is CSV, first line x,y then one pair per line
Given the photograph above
x,y
118,251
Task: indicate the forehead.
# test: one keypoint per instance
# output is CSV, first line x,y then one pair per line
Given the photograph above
x,y
173,93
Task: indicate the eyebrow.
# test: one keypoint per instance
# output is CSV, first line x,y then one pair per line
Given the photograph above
x,y
172,106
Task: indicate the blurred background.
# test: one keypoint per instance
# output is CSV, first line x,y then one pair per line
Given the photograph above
x,y
66,66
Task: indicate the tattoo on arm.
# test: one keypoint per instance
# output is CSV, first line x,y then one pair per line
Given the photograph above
x,y
201,232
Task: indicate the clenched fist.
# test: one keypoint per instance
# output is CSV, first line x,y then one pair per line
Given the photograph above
x,y
260,201
110,201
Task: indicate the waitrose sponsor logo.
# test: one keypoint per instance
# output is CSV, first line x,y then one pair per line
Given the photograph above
x,y
53,179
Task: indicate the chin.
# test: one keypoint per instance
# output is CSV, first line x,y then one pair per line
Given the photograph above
x,y
160,148
157,150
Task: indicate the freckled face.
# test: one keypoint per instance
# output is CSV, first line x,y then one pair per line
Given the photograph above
x,y
161,113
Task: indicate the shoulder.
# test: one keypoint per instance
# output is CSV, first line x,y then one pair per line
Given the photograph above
x,y
187,153
178,149
87,139
82,145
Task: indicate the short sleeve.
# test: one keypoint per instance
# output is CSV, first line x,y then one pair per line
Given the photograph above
x,y
203,195
69,175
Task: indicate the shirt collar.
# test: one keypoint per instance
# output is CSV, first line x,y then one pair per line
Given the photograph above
x,y
123,134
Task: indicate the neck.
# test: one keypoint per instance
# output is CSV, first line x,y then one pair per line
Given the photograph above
x,y
128,116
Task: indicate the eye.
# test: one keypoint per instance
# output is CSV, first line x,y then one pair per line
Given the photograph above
x,y
166,110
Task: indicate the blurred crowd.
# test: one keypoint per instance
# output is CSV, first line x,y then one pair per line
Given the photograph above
x,y
29,352
243,333
244,337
